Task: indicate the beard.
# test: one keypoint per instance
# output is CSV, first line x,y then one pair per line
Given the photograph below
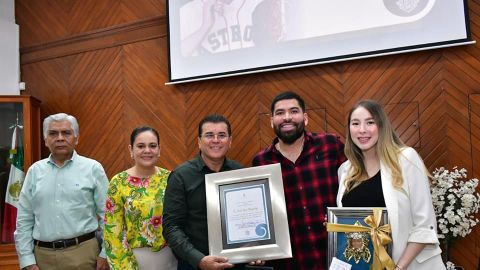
x,y
291,136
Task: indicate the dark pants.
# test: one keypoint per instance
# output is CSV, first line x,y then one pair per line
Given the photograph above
x,y
183,265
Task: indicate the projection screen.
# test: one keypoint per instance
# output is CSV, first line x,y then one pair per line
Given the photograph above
x,y
216,38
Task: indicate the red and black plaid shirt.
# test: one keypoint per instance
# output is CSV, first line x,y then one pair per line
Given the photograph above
x,y
310,186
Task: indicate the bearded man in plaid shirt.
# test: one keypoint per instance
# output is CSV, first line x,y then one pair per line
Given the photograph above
x,y
309,168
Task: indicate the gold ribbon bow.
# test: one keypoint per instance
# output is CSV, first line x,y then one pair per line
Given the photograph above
x,y
380,238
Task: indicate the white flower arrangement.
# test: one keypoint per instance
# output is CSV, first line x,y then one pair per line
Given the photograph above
x,y
455,201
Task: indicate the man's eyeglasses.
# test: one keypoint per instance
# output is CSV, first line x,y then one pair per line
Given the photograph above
x,y
220,136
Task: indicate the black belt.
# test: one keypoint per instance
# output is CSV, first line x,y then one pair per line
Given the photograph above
x,y
61,244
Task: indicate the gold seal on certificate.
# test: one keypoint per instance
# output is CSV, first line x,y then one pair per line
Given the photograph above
x,y
247,217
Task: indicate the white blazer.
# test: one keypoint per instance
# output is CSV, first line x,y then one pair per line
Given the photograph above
x,y
410,212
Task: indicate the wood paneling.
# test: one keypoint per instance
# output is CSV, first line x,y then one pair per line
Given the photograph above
x,y
45,21
475,133
232,98
404,119
96,40
106,62
474,106
8,257
149,102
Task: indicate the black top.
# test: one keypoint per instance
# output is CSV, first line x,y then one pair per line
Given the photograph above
x,y
185,209
368,194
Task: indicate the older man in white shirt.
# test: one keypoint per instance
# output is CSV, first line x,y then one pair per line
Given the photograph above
x,y
61,205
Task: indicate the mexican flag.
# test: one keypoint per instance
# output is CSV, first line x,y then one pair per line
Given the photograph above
x,y
15,181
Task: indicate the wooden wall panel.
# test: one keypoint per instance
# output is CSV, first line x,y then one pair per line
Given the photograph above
x,y
474,105
148,101
321,88
468,248
81,85
404,118
50,81
235,99
475,133
121,85
432,131
49,20
96,80
111,91
407,78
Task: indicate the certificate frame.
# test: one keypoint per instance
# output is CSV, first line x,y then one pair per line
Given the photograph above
x,y
263,210
347,215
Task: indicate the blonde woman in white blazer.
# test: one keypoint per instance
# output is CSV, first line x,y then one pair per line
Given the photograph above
x,y
382,170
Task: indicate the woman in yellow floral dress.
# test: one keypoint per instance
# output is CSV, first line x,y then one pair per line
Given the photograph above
x,y
134,209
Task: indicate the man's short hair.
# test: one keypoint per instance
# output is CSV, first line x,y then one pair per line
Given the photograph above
x,y
287,95
214,118
58,118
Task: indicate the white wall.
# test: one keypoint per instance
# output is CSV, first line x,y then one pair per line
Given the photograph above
x,y
9,50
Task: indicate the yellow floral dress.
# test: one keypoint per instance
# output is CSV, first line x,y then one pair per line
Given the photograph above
x,y
133,217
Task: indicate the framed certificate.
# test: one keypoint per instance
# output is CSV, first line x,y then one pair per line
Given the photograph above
x,y
353,247
247,217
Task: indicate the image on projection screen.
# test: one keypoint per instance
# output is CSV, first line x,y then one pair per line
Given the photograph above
x,y
210,38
